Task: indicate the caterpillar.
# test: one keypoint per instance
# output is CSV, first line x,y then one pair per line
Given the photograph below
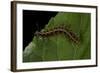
x,y
59,30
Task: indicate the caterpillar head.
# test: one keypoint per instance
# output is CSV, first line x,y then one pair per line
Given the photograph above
x,y
36,33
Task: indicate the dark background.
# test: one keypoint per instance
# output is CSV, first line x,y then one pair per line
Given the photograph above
x,y
34,21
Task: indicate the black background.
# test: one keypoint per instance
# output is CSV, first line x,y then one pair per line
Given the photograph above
x,y
33,21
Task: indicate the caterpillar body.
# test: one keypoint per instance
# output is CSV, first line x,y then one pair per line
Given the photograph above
x,y
59,30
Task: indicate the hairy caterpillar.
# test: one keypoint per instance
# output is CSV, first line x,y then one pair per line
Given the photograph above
x,y
59,30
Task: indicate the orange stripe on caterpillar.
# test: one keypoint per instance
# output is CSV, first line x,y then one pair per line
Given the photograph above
x,y
59,30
